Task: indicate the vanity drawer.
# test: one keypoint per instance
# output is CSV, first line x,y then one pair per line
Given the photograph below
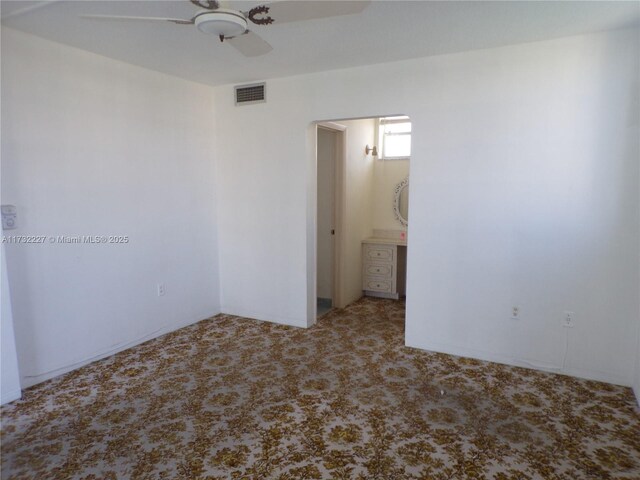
x,y
381,270
379,253
378,284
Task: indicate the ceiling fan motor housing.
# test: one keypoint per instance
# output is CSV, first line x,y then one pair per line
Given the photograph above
x,y
222,23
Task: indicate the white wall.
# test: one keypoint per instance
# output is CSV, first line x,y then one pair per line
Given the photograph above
x,y
387,175
9,376
358,220
524,189
92,146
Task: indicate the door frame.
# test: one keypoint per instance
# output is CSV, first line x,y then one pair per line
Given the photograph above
x,y
338,206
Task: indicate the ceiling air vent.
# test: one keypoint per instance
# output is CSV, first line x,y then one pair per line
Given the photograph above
x,y
248,94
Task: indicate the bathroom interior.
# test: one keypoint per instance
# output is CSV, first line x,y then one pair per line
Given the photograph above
x,y
362,209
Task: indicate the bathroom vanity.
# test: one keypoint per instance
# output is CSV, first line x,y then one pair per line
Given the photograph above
x,y
384,255
384,266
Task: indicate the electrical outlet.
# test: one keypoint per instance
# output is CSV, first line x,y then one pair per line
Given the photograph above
x,y
161,290
515,313
568,320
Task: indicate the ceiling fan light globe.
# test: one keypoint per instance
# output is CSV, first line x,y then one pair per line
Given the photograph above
x,y
226,23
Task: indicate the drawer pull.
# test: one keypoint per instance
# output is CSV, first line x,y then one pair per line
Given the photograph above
x,y
380,253
377,286
379,270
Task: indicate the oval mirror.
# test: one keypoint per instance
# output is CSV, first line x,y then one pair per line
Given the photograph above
x,y
401,202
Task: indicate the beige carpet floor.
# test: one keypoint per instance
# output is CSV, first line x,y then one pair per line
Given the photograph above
x,y
232,398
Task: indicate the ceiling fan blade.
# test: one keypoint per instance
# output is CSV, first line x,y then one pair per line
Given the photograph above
x,y
179,21
28,8
296,10
206,4
250,44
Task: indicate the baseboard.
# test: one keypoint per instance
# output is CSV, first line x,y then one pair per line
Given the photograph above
x,y
31,380
604,377
252,315
10,396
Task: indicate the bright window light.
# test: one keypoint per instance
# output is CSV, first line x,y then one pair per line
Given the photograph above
x,y
395,137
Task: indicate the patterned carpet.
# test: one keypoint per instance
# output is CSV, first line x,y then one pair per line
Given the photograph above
x,y
232,398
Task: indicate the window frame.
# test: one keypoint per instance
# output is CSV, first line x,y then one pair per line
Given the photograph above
x,y
381,135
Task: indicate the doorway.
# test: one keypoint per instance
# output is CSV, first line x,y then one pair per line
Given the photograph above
x,y
361,211
330,148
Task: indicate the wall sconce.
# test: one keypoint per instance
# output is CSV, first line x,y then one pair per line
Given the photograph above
x,y
373,151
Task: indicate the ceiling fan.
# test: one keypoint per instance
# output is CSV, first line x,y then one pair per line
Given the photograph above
x,y
233,25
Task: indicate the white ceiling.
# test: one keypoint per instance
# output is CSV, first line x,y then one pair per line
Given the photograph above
x,y
385,31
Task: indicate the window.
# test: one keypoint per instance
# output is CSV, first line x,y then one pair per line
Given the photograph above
x,y
395,138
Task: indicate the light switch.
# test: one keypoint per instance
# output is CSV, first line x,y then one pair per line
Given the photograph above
x,y
9,217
